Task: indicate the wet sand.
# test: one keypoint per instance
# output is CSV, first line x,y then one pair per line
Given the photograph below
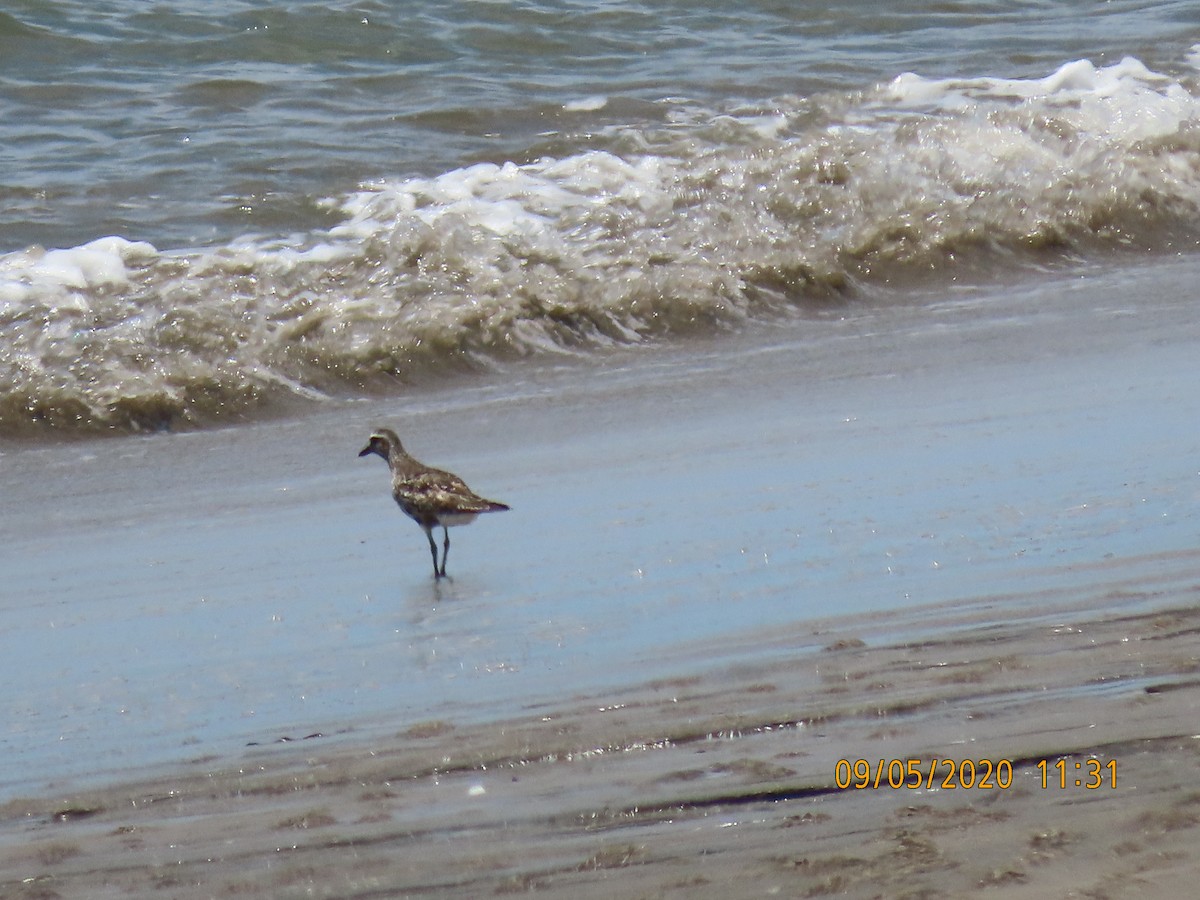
x,y
712,786
951,532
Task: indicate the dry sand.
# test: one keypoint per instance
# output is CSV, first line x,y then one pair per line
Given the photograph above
x,y
955,532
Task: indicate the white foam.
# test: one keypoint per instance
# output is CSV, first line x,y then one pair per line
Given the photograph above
x,y
102,264
1108,106
693,222
586,104
510,199
1068,83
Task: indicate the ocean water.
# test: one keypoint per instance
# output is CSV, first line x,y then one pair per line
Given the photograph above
x,y
213,209
216,211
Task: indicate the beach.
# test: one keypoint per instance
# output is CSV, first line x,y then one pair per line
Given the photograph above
x,y
710,786
961,528
838,371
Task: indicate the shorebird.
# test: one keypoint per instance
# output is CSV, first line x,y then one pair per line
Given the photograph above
x,y
428,496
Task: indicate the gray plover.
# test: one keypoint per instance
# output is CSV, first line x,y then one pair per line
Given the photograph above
x,y
428,496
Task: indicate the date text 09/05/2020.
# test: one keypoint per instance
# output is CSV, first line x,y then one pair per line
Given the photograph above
x,y
950,774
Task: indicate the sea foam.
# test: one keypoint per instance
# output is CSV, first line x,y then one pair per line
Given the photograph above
x,y
695,224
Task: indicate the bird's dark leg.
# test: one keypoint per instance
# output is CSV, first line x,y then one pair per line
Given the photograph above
x,y
433,550
445,548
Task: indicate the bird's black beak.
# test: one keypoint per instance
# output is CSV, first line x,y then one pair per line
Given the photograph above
x,y
365,450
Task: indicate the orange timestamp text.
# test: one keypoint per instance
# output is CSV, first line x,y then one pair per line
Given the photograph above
x,y
1089,774
913,774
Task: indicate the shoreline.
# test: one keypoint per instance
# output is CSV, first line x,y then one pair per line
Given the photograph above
x,y
699,786
964,528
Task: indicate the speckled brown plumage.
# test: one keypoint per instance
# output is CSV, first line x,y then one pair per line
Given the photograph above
x,y
429,496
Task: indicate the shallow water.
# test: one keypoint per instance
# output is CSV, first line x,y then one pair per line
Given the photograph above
x,y
174,596
755,316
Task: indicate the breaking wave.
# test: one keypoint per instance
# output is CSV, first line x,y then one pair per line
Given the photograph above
x,y
711,218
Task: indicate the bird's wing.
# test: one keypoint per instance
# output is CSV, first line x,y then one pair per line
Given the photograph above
x,y
435,492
